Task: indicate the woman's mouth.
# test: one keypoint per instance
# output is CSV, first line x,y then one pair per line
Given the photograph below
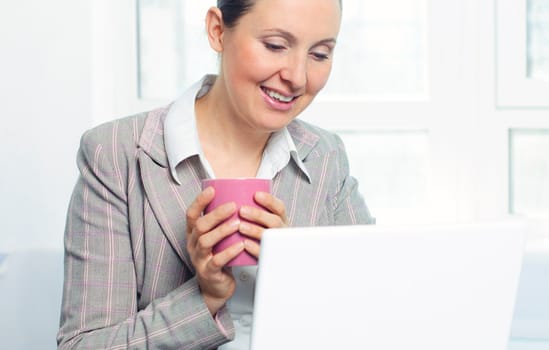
x,y
277,100
278,96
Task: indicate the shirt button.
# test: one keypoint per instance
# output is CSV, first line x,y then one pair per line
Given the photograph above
x,y
244,276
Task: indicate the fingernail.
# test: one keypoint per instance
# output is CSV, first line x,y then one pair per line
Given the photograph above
x,y
235,223
245,210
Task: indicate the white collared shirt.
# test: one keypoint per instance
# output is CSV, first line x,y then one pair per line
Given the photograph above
x,y
181,140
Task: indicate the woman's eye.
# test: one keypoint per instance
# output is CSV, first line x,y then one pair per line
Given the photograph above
x,y
274,47
320,56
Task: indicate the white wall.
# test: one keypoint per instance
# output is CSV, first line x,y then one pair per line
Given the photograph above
x,y
45,88
45,99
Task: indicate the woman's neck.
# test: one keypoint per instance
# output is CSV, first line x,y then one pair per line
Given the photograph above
x,y
232,147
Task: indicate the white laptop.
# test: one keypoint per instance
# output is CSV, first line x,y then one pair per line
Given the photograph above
x,y
387,288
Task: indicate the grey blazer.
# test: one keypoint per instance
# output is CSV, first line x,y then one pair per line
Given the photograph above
x,y
129,282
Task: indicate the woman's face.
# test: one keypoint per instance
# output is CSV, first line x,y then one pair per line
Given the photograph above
x,y
277,58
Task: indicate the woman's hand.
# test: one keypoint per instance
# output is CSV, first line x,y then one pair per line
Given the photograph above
x,y
216,283
259,219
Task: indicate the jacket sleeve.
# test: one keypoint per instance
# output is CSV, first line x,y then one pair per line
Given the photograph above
x,y
349,205
100,296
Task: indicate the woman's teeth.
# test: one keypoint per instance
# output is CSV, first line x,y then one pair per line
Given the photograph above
x,y
278,96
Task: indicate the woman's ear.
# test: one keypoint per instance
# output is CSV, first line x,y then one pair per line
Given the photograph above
x,y
215,28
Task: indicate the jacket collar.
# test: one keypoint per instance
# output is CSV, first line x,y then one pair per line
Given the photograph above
x,y
152,137
304,139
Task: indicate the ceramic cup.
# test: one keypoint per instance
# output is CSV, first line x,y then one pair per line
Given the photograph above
x,y
241,191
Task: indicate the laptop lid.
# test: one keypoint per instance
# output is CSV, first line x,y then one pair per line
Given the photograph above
x,y
393,288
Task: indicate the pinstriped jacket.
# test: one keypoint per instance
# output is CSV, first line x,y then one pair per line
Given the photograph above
x,y
129,282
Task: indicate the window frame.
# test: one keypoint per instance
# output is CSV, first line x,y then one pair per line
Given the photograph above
x,y
514,88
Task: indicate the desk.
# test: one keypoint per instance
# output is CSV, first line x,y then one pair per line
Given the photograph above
x,y
528,345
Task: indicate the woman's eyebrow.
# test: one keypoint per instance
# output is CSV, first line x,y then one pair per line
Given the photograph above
x,y
287,35
292,38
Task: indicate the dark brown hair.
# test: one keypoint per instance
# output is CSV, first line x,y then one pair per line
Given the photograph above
x,y
232,10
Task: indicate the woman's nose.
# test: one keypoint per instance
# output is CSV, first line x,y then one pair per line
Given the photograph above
x,y
295,72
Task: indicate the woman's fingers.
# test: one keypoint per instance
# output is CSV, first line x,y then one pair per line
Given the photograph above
x,y
205,223
272,204
251,230
207,241
194,212
208,223
252,247
204,231
216,280
219,260
257,219
209,229
273,216
214,218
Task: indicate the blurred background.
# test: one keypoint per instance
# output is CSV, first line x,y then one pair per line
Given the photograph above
x,y
443,106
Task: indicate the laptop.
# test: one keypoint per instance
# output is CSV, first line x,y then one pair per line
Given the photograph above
x,y
387,288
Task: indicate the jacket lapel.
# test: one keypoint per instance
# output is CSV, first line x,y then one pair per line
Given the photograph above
x,y
169,201
304,139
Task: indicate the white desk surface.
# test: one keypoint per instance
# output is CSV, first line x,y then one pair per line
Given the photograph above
x,y
528,345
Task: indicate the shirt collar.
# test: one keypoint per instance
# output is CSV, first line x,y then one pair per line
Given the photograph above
x,y
278,151
181,137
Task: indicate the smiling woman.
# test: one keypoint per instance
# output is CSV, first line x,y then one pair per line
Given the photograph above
x,y
140,269
273,64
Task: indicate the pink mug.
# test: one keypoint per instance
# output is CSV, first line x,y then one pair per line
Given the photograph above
x,y
241,191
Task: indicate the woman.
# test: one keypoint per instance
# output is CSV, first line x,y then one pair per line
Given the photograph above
x,y
139,267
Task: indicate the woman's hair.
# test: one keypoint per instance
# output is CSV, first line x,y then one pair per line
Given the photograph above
x,y
232,10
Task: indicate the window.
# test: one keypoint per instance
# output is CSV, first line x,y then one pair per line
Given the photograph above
x,y
523,53
393,171
172,45
441,104
537,38
522,89
381,53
